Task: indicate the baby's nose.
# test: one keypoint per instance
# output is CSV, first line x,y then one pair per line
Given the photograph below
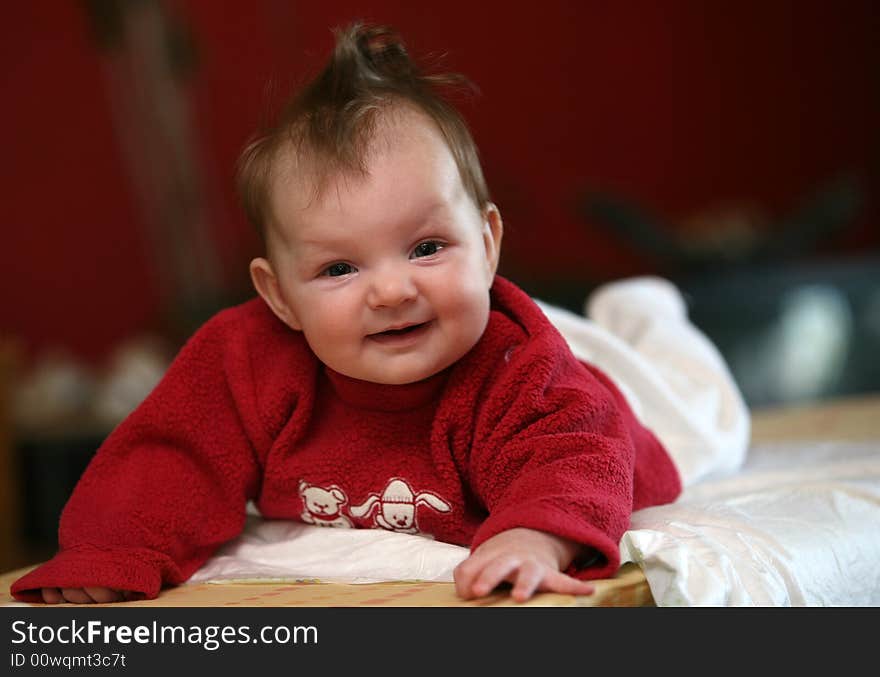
x,y
391,287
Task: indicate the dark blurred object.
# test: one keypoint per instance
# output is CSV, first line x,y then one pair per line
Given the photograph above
x,y
150,59
109,18
11,554
50,465
794,331
736,234
794,323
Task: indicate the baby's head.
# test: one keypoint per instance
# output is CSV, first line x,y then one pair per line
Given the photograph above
x,y
381,241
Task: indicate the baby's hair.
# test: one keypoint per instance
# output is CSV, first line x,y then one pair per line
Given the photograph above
x,y
333,119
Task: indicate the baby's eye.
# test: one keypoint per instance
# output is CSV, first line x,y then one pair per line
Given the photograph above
x,y
426,248
338,269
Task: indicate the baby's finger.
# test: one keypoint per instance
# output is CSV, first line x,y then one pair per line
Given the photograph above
x,y
52,596
76,596
527,580
103,595
566,585
464,575
467,572
494,573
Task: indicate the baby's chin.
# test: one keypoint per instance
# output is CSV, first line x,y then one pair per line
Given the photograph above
x,y
399,375
404,377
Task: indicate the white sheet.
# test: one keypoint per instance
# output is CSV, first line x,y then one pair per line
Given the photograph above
x,y
281,551
799,525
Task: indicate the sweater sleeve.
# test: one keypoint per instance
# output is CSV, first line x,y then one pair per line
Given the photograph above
x,y
169,484
552,452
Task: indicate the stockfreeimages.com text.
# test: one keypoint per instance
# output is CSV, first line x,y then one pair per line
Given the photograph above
x,y
211,637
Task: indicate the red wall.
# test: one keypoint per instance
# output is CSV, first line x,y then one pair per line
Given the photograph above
x,y
677,105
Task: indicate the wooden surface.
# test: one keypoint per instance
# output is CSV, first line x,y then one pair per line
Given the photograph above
x,y
854,418
628,588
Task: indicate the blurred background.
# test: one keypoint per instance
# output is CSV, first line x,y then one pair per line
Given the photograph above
x,y
729,146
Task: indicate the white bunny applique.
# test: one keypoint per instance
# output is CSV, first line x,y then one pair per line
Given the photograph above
x,y
397,506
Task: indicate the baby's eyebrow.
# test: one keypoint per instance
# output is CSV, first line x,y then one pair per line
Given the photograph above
x,y
432,210
319,248
419,219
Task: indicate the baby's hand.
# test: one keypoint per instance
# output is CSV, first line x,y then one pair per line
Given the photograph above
x,y
529,559
86,595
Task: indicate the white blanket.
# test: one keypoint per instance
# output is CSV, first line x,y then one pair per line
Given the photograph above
x,y
797,526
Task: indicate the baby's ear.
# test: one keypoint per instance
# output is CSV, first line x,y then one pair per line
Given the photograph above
x,y
493,231
266,283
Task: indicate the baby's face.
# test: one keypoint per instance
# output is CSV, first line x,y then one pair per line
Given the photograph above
x,y
386,275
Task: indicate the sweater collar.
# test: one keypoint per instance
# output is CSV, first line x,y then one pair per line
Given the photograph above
x,y
384,397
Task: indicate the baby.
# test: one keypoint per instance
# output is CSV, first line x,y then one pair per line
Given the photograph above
x,y
386,377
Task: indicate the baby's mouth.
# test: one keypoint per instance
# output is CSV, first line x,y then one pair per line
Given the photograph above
x,y
400,332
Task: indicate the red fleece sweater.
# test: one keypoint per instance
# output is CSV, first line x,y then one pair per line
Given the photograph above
x,y
518,433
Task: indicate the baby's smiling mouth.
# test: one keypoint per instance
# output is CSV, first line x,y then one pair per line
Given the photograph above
x,y
399,332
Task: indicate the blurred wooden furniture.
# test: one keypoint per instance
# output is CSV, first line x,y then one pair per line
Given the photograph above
x,y
10,552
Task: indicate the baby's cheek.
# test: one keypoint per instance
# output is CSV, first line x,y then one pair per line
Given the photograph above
x,y
333,322
471,312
